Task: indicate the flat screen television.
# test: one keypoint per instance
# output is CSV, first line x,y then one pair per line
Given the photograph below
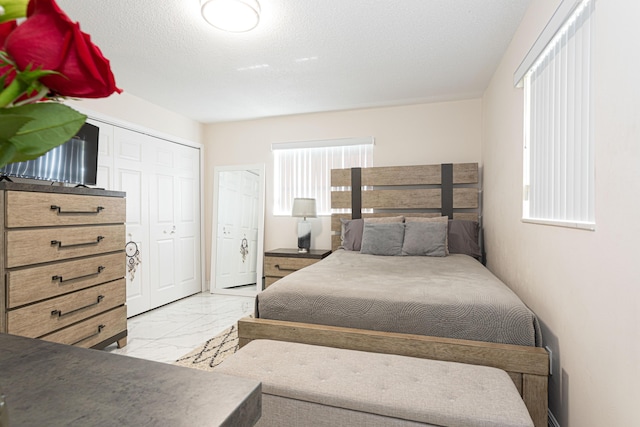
x,y
74,162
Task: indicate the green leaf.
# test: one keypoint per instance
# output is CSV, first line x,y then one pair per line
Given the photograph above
x,y
51,124
7,151
10,124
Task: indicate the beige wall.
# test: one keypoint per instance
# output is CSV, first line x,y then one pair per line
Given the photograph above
x,y
584,286
415,134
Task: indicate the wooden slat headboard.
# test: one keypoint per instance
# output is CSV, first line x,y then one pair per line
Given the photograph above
x,y
422,190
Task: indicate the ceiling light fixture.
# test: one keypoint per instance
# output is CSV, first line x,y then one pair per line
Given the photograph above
x,y
235,16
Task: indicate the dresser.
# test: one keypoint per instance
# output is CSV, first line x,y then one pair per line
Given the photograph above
x,y
63,264
282,262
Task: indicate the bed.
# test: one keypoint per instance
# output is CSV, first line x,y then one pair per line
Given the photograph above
x,y
439,307
451,297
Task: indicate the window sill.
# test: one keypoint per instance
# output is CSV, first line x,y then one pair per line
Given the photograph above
x,y
589,226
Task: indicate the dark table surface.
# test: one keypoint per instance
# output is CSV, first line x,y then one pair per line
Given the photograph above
x,y
58,385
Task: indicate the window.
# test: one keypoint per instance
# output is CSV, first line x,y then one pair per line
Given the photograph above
x,y
303,169
558,139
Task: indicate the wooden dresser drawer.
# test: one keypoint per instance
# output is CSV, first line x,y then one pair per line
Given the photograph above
x,y
26,209
270,280
38,283
44,317
282,266
92,331
25,247
62,263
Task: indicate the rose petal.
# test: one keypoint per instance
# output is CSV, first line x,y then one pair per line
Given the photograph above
x,y
49,40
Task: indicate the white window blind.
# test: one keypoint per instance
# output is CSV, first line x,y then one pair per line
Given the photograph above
x,y
303,169
559,152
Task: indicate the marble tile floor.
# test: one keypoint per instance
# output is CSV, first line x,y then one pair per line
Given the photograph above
x,y
171,331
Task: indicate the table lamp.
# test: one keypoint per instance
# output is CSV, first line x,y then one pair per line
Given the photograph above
x,y
304,208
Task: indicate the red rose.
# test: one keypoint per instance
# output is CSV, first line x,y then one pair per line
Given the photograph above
x,y
6,71
5,29
49,40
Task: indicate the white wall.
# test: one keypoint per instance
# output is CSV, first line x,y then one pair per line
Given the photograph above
x,y
415,134
129,108
584,286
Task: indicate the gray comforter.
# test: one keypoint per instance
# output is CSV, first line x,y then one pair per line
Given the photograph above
x,y
453,296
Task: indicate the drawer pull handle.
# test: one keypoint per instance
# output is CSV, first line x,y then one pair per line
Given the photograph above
x,y
284,269
60,245
61,212
59,278
59,313
100,328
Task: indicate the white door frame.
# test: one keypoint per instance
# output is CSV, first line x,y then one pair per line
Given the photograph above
x,y
214,230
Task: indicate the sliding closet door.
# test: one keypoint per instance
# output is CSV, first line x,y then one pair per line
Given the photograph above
x,y
162,182
131,174
174,221
188,231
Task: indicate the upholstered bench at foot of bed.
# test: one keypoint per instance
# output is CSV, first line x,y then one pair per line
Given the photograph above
x,y
305,385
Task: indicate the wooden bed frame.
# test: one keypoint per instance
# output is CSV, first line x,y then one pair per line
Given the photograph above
x,y
429,190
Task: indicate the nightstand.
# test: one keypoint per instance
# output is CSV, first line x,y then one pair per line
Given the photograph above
x,y
281,262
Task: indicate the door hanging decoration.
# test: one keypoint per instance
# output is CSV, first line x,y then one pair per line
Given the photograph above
x,y
133,258
244,248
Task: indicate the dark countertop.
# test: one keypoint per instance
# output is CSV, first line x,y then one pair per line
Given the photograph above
x,y
58,385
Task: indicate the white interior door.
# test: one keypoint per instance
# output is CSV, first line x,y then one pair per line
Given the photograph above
x,y
239,219
249,226
237,228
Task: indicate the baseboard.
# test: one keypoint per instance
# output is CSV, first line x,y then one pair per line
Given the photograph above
x,y
552,420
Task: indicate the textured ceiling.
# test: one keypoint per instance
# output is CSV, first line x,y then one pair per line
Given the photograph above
x,y
304,56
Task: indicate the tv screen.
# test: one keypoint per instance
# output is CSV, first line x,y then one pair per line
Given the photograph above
x,y
74,162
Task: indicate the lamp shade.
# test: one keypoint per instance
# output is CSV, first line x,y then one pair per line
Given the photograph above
x,y
304,208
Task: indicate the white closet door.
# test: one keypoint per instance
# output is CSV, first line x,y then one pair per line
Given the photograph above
x,y
105,155
174,222
131,174
162,182
189,232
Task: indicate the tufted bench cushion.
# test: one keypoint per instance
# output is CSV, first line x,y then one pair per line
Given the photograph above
x,y
305,385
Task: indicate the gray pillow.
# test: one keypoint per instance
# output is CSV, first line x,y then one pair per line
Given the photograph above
x,y
382,238
351,234
425,239
444,219
464,237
